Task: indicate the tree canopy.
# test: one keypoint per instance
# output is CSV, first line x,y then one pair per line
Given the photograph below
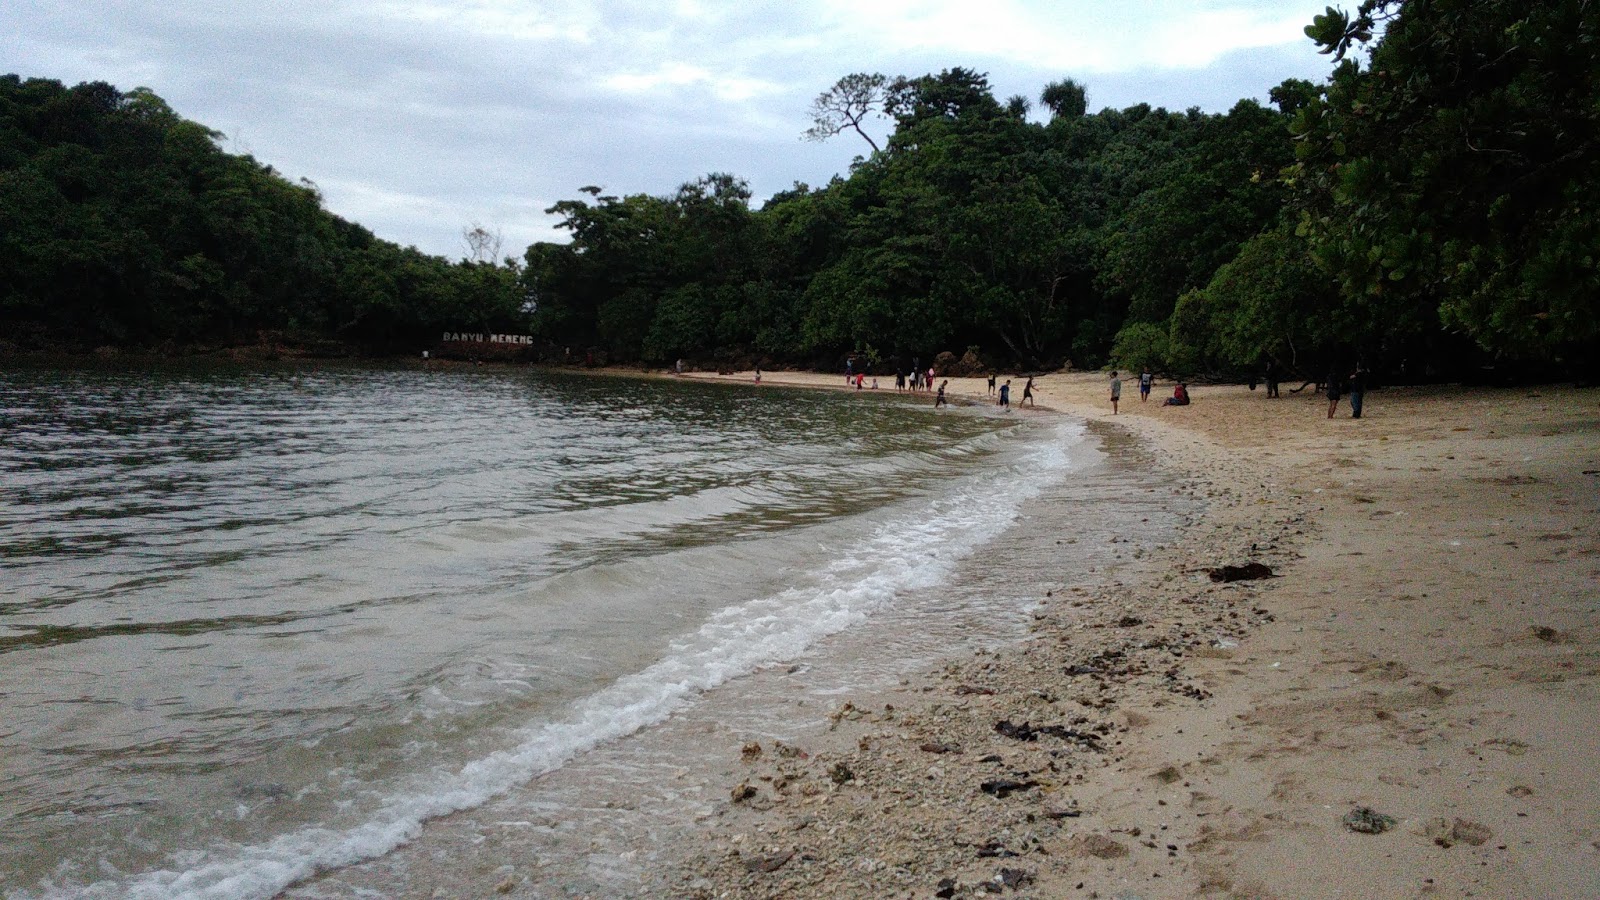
x,y
123,223
1430,206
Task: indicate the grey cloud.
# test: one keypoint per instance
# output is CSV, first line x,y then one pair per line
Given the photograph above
x,y
416,130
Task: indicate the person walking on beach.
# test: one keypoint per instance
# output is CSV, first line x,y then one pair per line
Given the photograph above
x,y
1146,382
991,384
1027,394
758,374
1333,391
1271,375
1005,394
1116,392
1358,390
939,400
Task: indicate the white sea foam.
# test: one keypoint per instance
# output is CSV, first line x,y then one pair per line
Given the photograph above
x,y
912,550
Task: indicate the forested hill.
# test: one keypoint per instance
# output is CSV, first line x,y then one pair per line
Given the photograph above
x,y
1430,207
123,224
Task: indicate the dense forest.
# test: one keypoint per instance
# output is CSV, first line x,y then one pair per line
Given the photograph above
x,y
124,225
1430,208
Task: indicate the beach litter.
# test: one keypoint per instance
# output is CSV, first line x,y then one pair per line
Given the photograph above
x,y
1002,788
1026,732
1246,572
1015,879
1366,820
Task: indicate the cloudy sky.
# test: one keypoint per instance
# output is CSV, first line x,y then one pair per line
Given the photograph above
x,y
417,118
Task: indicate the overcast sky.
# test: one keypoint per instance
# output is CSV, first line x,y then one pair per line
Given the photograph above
x,y
417,118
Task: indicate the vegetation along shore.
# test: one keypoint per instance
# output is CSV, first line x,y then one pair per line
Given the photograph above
x,y
1425,212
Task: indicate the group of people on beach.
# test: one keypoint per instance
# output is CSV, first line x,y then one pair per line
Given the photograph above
x,y
1354,386
1004,393
1147,382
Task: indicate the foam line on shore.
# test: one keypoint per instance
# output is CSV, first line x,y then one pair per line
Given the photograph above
x,y
906,551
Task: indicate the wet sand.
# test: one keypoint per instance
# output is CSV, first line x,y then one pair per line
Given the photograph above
x,y
1425,660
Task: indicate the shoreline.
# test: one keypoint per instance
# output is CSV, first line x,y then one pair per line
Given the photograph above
x,y
1429,650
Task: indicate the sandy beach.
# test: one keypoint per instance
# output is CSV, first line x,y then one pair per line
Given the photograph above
x,y
1407,707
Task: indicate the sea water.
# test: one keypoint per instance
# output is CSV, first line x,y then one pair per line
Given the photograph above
x,y
338,632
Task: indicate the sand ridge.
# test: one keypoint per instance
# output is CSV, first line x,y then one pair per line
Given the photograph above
x,y
1429,650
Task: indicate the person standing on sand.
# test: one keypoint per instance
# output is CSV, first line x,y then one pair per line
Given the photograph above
x,y
758,374
1116,392
1027,394
1358,390
991,384
1005,394
939,400
1271,375
1333,391
1146,382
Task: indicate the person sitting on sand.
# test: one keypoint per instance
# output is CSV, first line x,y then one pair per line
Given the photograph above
x,y
1180,396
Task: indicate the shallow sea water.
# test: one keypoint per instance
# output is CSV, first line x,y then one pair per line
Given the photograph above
x,y
358,632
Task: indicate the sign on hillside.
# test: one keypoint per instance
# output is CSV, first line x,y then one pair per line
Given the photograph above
x,y
463,337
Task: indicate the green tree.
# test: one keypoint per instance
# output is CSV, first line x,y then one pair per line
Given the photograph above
x,y
1453,171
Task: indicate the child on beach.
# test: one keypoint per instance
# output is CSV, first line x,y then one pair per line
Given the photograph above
x,y
1027,393
1116,392
1005,394
991,385
939,400
1146,382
